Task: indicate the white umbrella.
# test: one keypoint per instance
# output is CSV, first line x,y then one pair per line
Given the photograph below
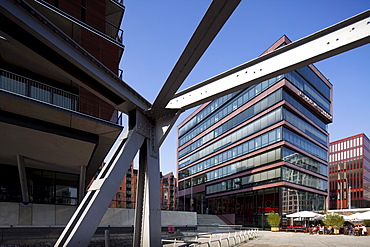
x,y
356,216
365,216
304,214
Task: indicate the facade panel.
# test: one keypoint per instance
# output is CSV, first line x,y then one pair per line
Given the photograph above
x,y
258,150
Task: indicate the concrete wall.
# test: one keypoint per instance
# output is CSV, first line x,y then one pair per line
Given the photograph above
x,y
16,214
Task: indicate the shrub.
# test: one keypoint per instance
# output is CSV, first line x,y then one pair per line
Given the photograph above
x,y
334,220
367,222
273,219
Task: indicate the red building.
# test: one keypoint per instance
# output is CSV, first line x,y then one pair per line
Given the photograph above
x,y
168,192
349,166
126,193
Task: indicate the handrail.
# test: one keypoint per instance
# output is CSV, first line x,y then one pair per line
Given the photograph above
x,y
114,32
37,90
26,87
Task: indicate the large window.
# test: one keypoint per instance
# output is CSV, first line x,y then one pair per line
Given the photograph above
x,y
47,187
248,113
228,108
306,88
305,127
249,163
298,177
305,162
52,187
246,181
244,148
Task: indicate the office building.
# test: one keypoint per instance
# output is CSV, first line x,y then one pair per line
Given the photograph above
x,y
58,117
349,167
258,150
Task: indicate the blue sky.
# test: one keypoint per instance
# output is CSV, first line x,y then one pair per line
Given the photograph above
x,y
156,32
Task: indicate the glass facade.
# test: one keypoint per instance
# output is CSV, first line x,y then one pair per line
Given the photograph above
x,y
242,156
45,187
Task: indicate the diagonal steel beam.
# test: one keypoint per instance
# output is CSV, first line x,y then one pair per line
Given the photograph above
x,y
84,222
341,37
216,16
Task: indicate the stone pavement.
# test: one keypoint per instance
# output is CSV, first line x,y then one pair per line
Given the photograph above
x,y
291,239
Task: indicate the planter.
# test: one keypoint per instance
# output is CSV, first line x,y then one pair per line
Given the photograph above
x,y
275,229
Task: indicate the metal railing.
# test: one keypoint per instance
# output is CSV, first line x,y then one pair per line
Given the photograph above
x,y
114,32
36,90
26,87
210,239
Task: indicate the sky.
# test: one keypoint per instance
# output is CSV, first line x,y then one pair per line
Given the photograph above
x,y
156,33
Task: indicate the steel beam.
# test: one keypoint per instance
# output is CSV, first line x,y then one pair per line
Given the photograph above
x,y
88,215
216,16
148,225
341,37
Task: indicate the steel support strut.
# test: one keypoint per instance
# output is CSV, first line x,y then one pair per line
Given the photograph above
x,y
148,214
88,215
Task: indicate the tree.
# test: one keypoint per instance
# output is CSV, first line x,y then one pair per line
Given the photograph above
x,y
274,220
334,220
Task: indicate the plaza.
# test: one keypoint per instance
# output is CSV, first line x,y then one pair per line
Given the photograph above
x,y
291,239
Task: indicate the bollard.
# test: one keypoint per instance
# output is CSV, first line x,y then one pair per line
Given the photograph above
x,y
106,238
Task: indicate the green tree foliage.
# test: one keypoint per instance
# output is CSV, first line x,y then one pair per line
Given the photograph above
x,y
334,220
367,222
273,219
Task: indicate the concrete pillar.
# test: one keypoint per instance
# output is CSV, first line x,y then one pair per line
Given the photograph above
x,y
82,188
23,179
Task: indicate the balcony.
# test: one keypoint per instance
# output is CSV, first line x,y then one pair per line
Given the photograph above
x,y
26,87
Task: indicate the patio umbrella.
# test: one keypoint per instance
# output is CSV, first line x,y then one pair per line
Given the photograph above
x,y
356,216
365,216
304,214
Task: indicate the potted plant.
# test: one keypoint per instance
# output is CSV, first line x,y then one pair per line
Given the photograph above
x,y
273,219
334,220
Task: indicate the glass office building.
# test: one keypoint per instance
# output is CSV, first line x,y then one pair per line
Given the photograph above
x,y
349,167
258,150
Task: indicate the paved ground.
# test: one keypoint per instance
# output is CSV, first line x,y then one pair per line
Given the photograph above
x,y
290,239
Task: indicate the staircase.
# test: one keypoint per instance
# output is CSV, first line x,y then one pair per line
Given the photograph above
x,y
209,223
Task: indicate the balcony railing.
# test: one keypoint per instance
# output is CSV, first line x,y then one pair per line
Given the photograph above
x,y
114,32
29,88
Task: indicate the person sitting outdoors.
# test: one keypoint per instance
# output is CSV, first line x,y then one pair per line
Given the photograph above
x,y
364,230
350,230
322,230
314,229
329,230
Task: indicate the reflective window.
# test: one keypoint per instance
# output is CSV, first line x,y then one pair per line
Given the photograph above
x,y
305,127
303,161
246,181
243,132
258,160
304,110
305,144
315,80
297,177
307,89
223,111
